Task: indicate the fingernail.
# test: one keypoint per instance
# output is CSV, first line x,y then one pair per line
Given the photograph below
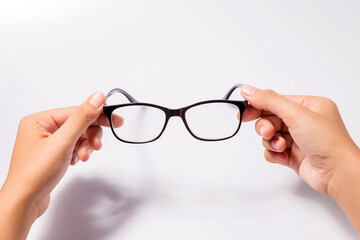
x,y
96,100
274,144
262,131
76,160
249,90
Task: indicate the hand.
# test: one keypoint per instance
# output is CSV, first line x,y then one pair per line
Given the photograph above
x,y
46,144
304,133
308,135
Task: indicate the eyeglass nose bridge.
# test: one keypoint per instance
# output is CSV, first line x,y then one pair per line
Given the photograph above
x,y
176,112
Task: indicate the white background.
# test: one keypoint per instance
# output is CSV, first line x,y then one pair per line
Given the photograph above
x,y
174,53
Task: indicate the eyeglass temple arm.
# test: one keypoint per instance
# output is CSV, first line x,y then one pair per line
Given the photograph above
x,y
228,94
123,92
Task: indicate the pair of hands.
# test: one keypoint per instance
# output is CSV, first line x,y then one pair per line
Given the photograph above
x,y
304,133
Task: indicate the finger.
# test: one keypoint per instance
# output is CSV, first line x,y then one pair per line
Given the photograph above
x,y
76,149
288,139
60,115
268,100
276,144
94,134
117,121
275,157
252,113
296,158
264,128
84,151
305,101
102,120
81,118
267,126
74,159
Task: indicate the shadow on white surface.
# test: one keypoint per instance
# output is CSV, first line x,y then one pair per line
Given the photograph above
x,y
91,209
305,191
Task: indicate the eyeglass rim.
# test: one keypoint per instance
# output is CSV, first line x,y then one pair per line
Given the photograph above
x,y
180,112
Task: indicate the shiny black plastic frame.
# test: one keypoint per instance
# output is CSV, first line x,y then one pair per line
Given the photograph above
x,y
180,112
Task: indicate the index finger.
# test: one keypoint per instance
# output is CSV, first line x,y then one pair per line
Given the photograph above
x,y
252,113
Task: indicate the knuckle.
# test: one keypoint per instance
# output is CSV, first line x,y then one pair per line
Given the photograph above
x,y
268,93
267,156
328,102
24,120
265,144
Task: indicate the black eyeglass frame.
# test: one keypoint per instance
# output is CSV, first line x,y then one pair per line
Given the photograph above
x,y
180,112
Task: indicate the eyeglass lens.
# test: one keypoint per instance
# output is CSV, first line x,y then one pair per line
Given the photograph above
x,y
140,123
208,121
213,121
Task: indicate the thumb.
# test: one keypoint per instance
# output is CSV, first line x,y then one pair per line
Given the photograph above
x,y
81,118
275,103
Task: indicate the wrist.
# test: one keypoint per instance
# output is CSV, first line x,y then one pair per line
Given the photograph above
x,y
345,175
18,213
17,197
344,186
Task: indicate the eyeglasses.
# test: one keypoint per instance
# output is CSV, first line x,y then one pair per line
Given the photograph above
x,y
212,120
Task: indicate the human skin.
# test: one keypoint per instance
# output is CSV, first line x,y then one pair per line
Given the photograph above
x,y
304,133
308,135
46,144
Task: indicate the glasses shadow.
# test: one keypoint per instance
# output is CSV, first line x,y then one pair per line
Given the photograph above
x,y
306,192
91,209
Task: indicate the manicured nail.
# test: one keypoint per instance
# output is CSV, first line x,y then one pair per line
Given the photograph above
x,y
249,90
96,100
